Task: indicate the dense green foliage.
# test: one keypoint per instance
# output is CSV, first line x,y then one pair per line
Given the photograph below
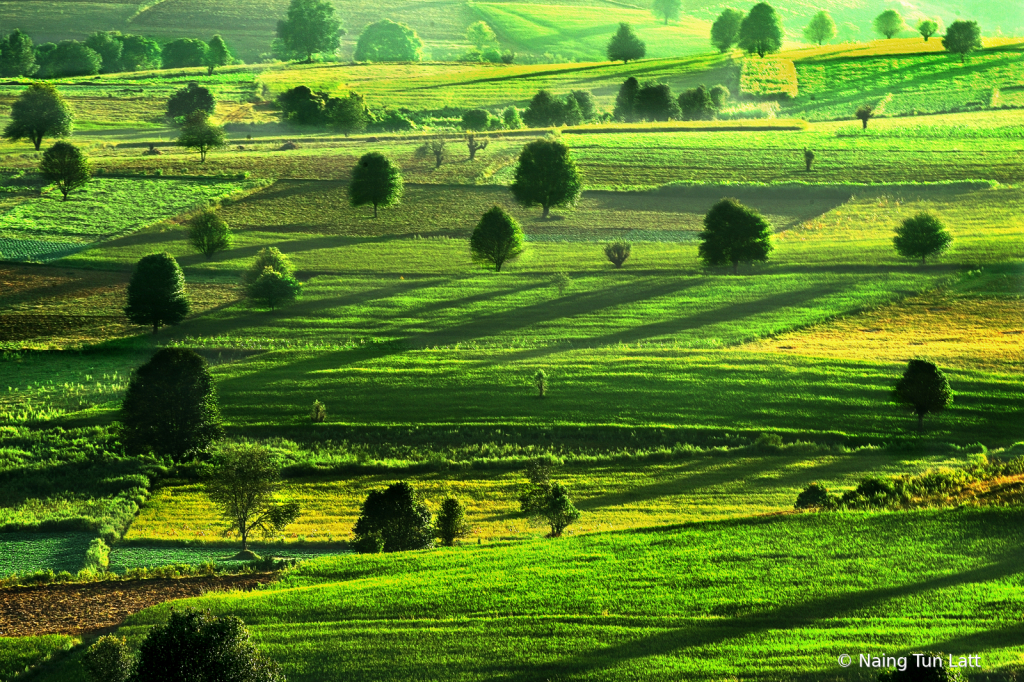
x,y
310,28
821,28
388,41
924,389
66,166
376,180
626,45
39,112
921,236
962,38
889,23
156,292
17,58
189,99
733,234
199,134
725,32
393,520
546,176
497,238
451,522
208,233
761,31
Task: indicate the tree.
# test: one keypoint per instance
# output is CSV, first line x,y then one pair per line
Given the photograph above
x,y
546,176
185,53
476,119
208,233
244,484
540,379
197,133
544,110
668,9
921,236
923,388
889,23
388,41
436,147
655,102
617,253
734,233
70,58
348,114
201,647
626,45
268,257
108,660
512,119
156,292
808,159
719,96
761,30
481,35
272,288
497,238
17,58
584,99
192,97
310,28
475,145
625,100
821,28
864,113
542,499
393,520
39,112
217,54
725,32
302,106
451,522
697,105
170,406
376,180
139,54
962,38
927,28
66,165
108,45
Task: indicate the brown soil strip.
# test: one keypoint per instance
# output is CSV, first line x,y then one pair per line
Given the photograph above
x,y
94,607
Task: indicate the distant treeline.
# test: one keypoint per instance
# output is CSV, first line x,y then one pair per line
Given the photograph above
x,y
106,52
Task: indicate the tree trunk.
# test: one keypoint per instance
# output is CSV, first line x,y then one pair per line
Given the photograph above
x,y
920,422
65,196
547,211
922,259
245,539
375,210
37,141
497,266
865,122
735,267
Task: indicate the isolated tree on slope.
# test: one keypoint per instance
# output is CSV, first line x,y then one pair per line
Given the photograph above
x,y
310,28
272,288
924,389
667,9
191,98
889,23
927,28
17,58
626,45
821,28
761,30
218,54
480,34
921,236
388,41
185,53
199,134
546,176
393,520
962,38
376,180
65,165
267,257
208,233
725,32
733,234
497,238
156,292
451,522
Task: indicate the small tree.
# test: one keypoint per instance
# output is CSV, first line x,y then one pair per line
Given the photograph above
x,y
108,660
170,406
318,415
388,41
540,381
191,98
697,104
198,134
17,58
864,113
376,180
156,292
65,165
39,112
625,100
921,236
626,45
475,144
451,522
393,520
476,119
244,484
927,28
267,257
542,499
497,238
923,388
202,647
303,106
734,233
821,28
655,102
544,110
481,35
889,23
667,9
617,253
725,32
208,233
719,96
761,31
561,281
512,119
586,102
962,38
348,114
310,28
808,159
546,176
184,53
108,46
218,54
436,147
273,289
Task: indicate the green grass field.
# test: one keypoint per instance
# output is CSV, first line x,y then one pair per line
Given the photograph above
x,y
30,552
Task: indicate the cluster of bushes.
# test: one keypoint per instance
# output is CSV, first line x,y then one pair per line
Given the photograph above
x,y
653,101
547,110
106,52
347,114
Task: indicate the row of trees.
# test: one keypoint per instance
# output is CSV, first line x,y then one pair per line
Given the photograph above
x,y
652,101
106,52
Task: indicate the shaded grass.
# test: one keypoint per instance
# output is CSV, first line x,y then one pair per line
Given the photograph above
x,y
29,552
18,654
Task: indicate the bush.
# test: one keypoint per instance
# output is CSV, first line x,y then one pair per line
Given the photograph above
x,y
545,500
451,522
108,660
97,557
540,380
319,413
393,520
268,257
813,496
208,233
476,119
916,671
273,289
617,253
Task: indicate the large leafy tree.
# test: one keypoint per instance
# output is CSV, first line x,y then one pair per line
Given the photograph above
x,y
244,484
667,9
199,134
761,30
376,180
39,112
217,54
208,233
655,102
140,54
156,292
962,38
192,97
184,53
393,520
388,41
697,105
625,100
108,45
170,406
626,45
921,236
733,234
70,58
547,176
17,58
497,238
927,28
310,28
349,114
480,34
923,388
66,166
889,23
544,110
303,106
725,32
821,28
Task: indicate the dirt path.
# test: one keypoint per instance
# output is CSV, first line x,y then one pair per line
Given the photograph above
x,y
94,607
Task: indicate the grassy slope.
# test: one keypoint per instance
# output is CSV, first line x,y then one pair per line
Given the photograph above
x,y
765,598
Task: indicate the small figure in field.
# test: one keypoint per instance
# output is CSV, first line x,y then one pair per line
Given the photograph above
x,y
864,113
808,159
540,380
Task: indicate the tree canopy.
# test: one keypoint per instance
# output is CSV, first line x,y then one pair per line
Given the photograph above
x,y
108,45
309,28
761,30
192,97
655,102
208,233
725,32
625,100
821,28
497,238
927,28
199,134
733,234
889,23
68,59
388,41
376,180
962,38
625,45
17,58
667,9
184,53
66,166
39,112
156,292
217,54
273,288
393,520
923,388
921,236
480,34
546,176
